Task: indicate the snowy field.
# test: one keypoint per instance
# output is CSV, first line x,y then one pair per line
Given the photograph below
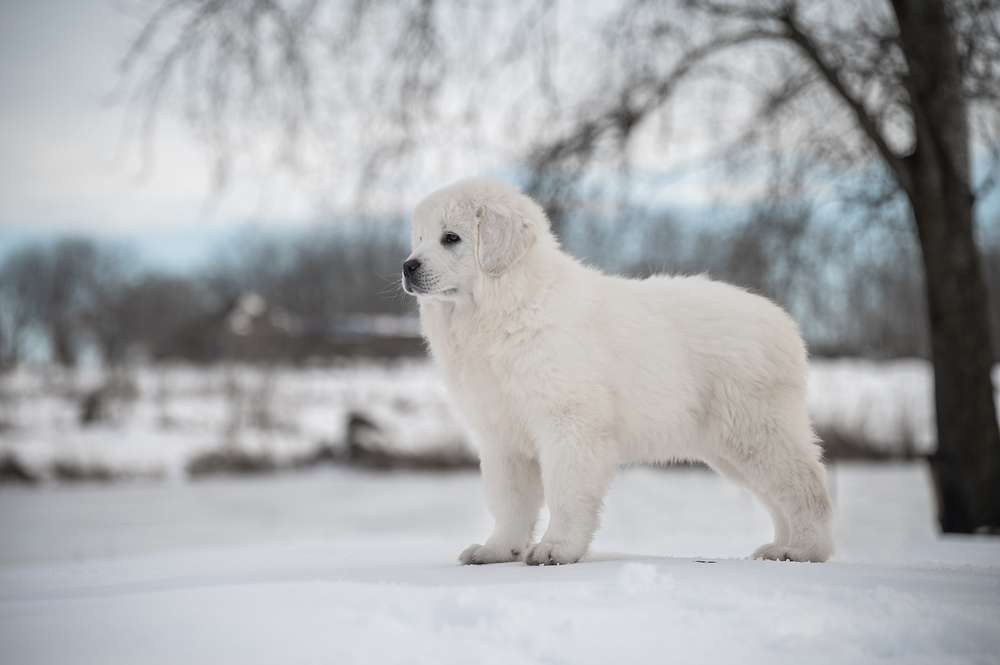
x,y
338,566
157,420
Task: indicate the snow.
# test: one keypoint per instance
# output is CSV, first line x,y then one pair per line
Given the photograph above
x,y
179,412
338,566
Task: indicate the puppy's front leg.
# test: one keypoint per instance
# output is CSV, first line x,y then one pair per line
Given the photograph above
x,y
514,494
576,476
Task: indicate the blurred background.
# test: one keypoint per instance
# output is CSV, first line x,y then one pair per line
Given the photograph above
x,y
204,208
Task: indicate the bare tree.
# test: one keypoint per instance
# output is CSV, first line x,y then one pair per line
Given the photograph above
x,y
992,263
886,104
317,274
134,314
16,308
51,287
77,292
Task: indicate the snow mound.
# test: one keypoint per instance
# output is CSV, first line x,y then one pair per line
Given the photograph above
x,y
346,567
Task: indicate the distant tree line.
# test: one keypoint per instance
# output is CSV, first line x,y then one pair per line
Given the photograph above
x,y
855,289
63,297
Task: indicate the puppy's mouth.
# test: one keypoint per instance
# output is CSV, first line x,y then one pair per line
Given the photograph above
x,y
419,288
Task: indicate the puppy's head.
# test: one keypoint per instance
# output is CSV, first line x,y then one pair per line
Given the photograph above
x,y
473,229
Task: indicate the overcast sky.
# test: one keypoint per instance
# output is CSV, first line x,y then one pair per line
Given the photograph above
x,y
65,164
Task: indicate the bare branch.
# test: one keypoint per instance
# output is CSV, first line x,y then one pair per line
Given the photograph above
x,y
569,155
798,35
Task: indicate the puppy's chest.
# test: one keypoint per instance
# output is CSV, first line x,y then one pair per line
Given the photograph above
x,y
472,373
479,376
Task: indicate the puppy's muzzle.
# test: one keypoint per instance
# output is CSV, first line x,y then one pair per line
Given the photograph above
x,y
410,269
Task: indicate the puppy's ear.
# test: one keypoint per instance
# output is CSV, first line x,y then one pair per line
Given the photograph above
x,y
503,237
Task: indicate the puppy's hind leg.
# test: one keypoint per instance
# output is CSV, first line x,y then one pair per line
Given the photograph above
x,y
778,519
782,466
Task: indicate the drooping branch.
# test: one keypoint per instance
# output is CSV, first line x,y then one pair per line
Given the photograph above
x,y
798,35
381,80
776,23
555,164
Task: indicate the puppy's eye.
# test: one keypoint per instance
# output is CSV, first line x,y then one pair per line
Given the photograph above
x,y
450,238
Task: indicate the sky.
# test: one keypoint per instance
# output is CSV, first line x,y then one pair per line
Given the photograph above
x,y
68,165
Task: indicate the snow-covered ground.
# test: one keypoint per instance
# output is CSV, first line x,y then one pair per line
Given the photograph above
x,y
339,566
167,416
171,414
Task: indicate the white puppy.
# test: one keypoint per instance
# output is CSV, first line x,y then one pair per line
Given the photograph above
x,y
563,374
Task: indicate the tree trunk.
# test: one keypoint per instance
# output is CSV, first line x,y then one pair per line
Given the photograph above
x,y
966,466
61,343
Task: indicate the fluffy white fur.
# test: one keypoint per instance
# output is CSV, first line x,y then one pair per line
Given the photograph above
x,y
563,373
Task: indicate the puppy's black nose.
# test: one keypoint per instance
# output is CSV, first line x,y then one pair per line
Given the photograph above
x,y
411,266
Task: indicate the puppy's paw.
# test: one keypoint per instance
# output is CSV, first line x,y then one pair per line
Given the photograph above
x,y
781,552
480,554
553,554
